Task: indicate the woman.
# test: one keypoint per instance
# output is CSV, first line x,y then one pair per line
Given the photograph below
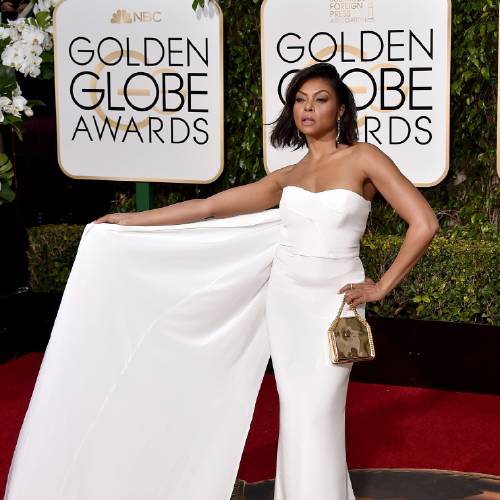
x,y
324,202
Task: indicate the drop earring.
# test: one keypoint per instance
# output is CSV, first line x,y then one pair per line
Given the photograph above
x,y
338,130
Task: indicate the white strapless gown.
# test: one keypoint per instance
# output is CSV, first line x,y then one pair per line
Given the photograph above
x,y
148,384
318,253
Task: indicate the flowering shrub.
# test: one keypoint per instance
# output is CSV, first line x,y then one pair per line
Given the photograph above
x,y
26,47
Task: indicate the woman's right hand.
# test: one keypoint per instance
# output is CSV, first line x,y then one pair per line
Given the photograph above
x,y
121,218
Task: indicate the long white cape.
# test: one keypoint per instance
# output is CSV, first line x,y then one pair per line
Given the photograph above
x,y
149,381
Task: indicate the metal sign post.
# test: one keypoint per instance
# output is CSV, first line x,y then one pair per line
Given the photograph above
x,y
143,196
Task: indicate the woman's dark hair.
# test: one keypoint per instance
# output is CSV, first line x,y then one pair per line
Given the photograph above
x,y
286,134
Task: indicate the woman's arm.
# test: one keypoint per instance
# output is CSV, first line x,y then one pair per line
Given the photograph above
x,y
260,195
409,203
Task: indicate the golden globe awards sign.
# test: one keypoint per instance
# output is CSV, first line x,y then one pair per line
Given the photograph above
x,y
139,90
393,54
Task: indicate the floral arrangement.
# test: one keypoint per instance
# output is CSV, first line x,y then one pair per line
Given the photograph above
x,y
26,47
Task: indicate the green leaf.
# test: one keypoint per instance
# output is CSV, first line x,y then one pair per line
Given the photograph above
x,y
47,56
8,80
43,19
5,164
6,194
47,72
198,3
34,103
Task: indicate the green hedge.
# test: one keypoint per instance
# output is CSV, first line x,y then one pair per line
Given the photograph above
x,y
51,251
456,280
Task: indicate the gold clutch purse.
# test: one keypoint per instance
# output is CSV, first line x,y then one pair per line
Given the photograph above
x,y
350,338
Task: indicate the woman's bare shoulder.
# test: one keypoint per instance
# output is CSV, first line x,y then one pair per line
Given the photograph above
x,y
281,174
285,170
370,156
368,150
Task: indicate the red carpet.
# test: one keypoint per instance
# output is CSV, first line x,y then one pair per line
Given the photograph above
x,y
393,426
386,426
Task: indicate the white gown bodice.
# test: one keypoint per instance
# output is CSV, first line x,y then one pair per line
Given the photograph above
x,y
327,223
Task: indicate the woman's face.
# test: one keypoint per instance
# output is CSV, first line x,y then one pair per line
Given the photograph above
x,y
315,109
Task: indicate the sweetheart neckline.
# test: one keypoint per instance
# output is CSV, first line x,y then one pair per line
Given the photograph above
x,y
327,190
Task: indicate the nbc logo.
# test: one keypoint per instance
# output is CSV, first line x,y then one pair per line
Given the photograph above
x,y
121,16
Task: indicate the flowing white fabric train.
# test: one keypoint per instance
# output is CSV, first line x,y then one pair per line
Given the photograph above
x,y
149,381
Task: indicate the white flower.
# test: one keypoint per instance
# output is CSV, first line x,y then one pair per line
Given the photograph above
x,y
11,110
8,55
16,27
32,35
44,6
19,102
23,56
4,33
14,106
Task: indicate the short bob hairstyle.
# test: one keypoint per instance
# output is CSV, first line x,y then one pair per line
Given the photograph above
x,y
286,134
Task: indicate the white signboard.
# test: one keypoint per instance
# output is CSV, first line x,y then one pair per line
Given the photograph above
x,y
395,57
139,90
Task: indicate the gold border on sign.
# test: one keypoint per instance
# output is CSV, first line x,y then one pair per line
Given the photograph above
x,y
447,100
142,179
263,74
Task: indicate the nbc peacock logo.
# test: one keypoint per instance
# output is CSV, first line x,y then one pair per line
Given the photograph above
x,y
121,16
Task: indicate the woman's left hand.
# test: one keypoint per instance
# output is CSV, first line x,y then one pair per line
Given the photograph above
x,y
359,293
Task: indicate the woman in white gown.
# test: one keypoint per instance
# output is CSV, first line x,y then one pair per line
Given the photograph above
x,y
312,242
